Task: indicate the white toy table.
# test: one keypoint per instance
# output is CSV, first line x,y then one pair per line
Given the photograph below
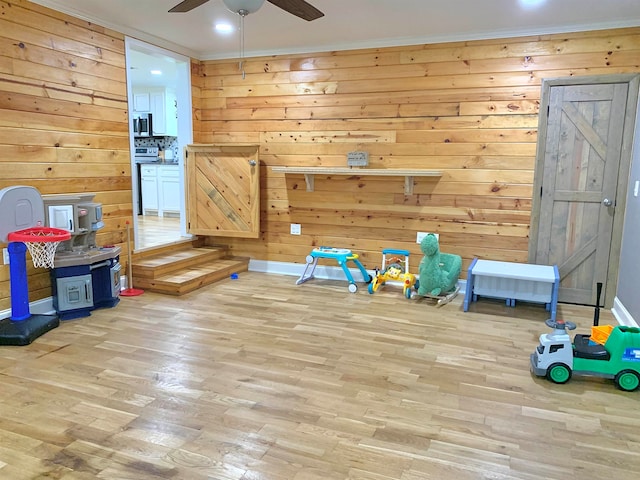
x,y
513,281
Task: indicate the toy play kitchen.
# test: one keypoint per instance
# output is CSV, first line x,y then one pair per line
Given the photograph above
x,y
85,276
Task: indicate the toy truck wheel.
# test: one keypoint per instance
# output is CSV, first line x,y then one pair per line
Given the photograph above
x,y
407,293
627,380
353,288
559,373
370,288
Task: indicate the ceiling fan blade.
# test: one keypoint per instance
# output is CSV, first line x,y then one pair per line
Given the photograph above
x,y
299,8
187,5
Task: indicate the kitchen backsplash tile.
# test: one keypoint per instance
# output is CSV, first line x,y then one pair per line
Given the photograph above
x,y
164,143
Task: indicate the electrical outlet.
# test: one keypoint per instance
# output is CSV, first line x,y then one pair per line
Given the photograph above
x,y
421,235
296,229
5,256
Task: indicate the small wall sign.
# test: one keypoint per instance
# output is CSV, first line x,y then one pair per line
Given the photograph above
x,y
357,159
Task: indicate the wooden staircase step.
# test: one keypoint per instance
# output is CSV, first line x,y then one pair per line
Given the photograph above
x,y
168,248
188,279
165,263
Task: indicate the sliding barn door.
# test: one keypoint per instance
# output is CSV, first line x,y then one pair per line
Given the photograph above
x,y
223,190
581,178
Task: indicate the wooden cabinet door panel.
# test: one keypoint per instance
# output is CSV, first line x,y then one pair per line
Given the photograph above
x,y
223,190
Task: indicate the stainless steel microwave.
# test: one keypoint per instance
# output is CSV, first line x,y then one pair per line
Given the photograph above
x,y
142,125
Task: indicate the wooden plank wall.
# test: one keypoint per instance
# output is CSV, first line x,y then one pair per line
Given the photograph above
x,y
63,117
469,109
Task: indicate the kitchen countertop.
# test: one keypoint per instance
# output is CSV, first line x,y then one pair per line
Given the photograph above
x,y
156,161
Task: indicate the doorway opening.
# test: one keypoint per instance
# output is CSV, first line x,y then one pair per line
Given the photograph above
x,y
160,126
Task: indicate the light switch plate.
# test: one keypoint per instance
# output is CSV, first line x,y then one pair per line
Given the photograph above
x,y
5,256
295,229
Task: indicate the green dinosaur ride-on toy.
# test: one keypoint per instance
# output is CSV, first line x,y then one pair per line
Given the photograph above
x,y
439,272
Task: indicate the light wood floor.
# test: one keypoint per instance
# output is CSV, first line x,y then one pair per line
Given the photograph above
x,y
154,231
257,378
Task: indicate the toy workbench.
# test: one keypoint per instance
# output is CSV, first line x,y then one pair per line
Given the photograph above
x,y
513,281
341,255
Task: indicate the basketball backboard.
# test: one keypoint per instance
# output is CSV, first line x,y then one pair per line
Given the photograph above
x,y
20,207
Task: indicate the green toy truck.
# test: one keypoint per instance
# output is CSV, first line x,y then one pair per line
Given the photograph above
x,y
557,358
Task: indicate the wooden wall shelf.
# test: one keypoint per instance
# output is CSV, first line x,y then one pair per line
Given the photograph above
x,y
408,174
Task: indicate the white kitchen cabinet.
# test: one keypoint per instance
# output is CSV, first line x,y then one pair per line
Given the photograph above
x,y
162,103
160,186
149,186
141,102
169,189
164,108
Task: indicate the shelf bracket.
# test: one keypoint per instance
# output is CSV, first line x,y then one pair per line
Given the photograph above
x,y
309,178
408,185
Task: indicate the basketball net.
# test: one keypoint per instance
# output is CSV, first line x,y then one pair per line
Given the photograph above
x,y
42,253
41,242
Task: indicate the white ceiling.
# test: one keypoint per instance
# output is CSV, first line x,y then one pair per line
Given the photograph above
x,y
141,62
347,24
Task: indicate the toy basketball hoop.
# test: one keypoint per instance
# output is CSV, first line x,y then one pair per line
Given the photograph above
x,y
22,217
42,243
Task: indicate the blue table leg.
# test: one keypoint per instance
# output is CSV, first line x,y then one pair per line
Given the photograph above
x,y
554,294
468,294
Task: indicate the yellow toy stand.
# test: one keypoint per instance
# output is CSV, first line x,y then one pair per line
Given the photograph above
x,y
394,271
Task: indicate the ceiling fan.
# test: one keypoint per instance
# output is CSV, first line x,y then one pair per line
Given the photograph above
x,y
299,8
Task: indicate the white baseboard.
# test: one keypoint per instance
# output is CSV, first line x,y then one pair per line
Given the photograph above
x,y
326,272
622,315
39,307
282,268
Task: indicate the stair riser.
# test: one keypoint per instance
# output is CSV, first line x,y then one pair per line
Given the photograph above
x,y
144,271
180,288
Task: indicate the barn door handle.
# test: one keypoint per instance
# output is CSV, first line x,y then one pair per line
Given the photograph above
x,y
607,203
252,163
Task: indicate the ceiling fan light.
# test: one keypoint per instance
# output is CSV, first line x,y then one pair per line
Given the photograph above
x,y
249,6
